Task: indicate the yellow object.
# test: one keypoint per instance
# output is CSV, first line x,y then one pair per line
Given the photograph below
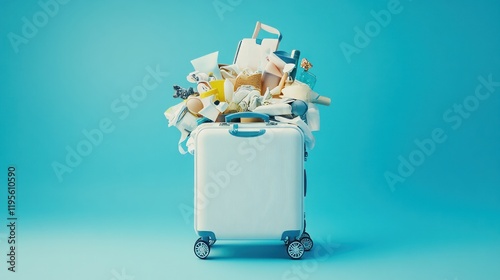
x,y
219,85
213,91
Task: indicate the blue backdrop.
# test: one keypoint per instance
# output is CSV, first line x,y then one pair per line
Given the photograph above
x,y
403,183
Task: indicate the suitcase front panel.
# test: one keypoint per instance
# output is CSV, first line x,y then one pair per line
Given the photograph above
x,y
249,187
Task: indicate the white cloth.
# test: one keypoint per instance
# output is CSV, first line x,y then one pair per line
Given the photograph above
x,y
185,122
308,136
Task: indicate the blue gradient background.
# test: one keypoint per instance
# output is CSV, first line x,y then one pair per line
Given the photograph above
x,y
117,214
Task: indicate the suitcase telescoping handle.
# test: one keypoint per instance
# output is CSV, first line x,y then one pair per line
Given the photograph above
x,y
246,133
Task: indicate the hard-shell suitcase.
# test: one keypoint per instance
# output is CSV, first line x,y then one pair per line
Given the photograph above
x,y
250,184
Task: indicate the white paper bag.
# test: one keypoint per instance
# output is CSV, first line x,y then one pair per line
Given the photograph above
x,y
252,52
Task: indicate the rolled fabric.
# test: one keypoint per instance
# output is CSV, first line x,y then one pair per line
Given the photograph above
x,y
275,109
228,90
301,91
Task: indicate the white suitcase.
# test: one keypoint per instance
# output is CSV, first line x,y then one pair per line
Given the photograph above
x,y
250,184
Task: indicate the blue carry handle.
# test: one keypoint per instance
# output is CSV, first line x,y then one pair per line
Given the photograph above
x,y
231,117
245,133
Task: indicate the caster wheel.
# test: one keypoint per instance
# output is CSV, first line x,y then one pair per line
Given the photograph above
x,y
211,242
286,241
307,243
305,234
201,249
295,250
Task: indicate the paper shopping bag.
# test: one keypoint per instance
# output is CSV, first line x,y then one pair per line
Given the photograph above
x,y
252,52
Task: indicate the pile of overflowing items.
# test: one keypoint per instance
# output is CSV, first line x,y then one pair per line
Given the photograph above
x,y
262,79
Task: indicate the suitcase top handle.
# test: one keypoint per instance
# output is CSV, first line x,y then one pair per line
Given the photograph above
x,y
231,117
246,133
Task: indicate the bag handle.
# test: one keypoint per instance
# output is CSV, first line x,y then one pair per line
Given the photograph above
x,y
265,27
